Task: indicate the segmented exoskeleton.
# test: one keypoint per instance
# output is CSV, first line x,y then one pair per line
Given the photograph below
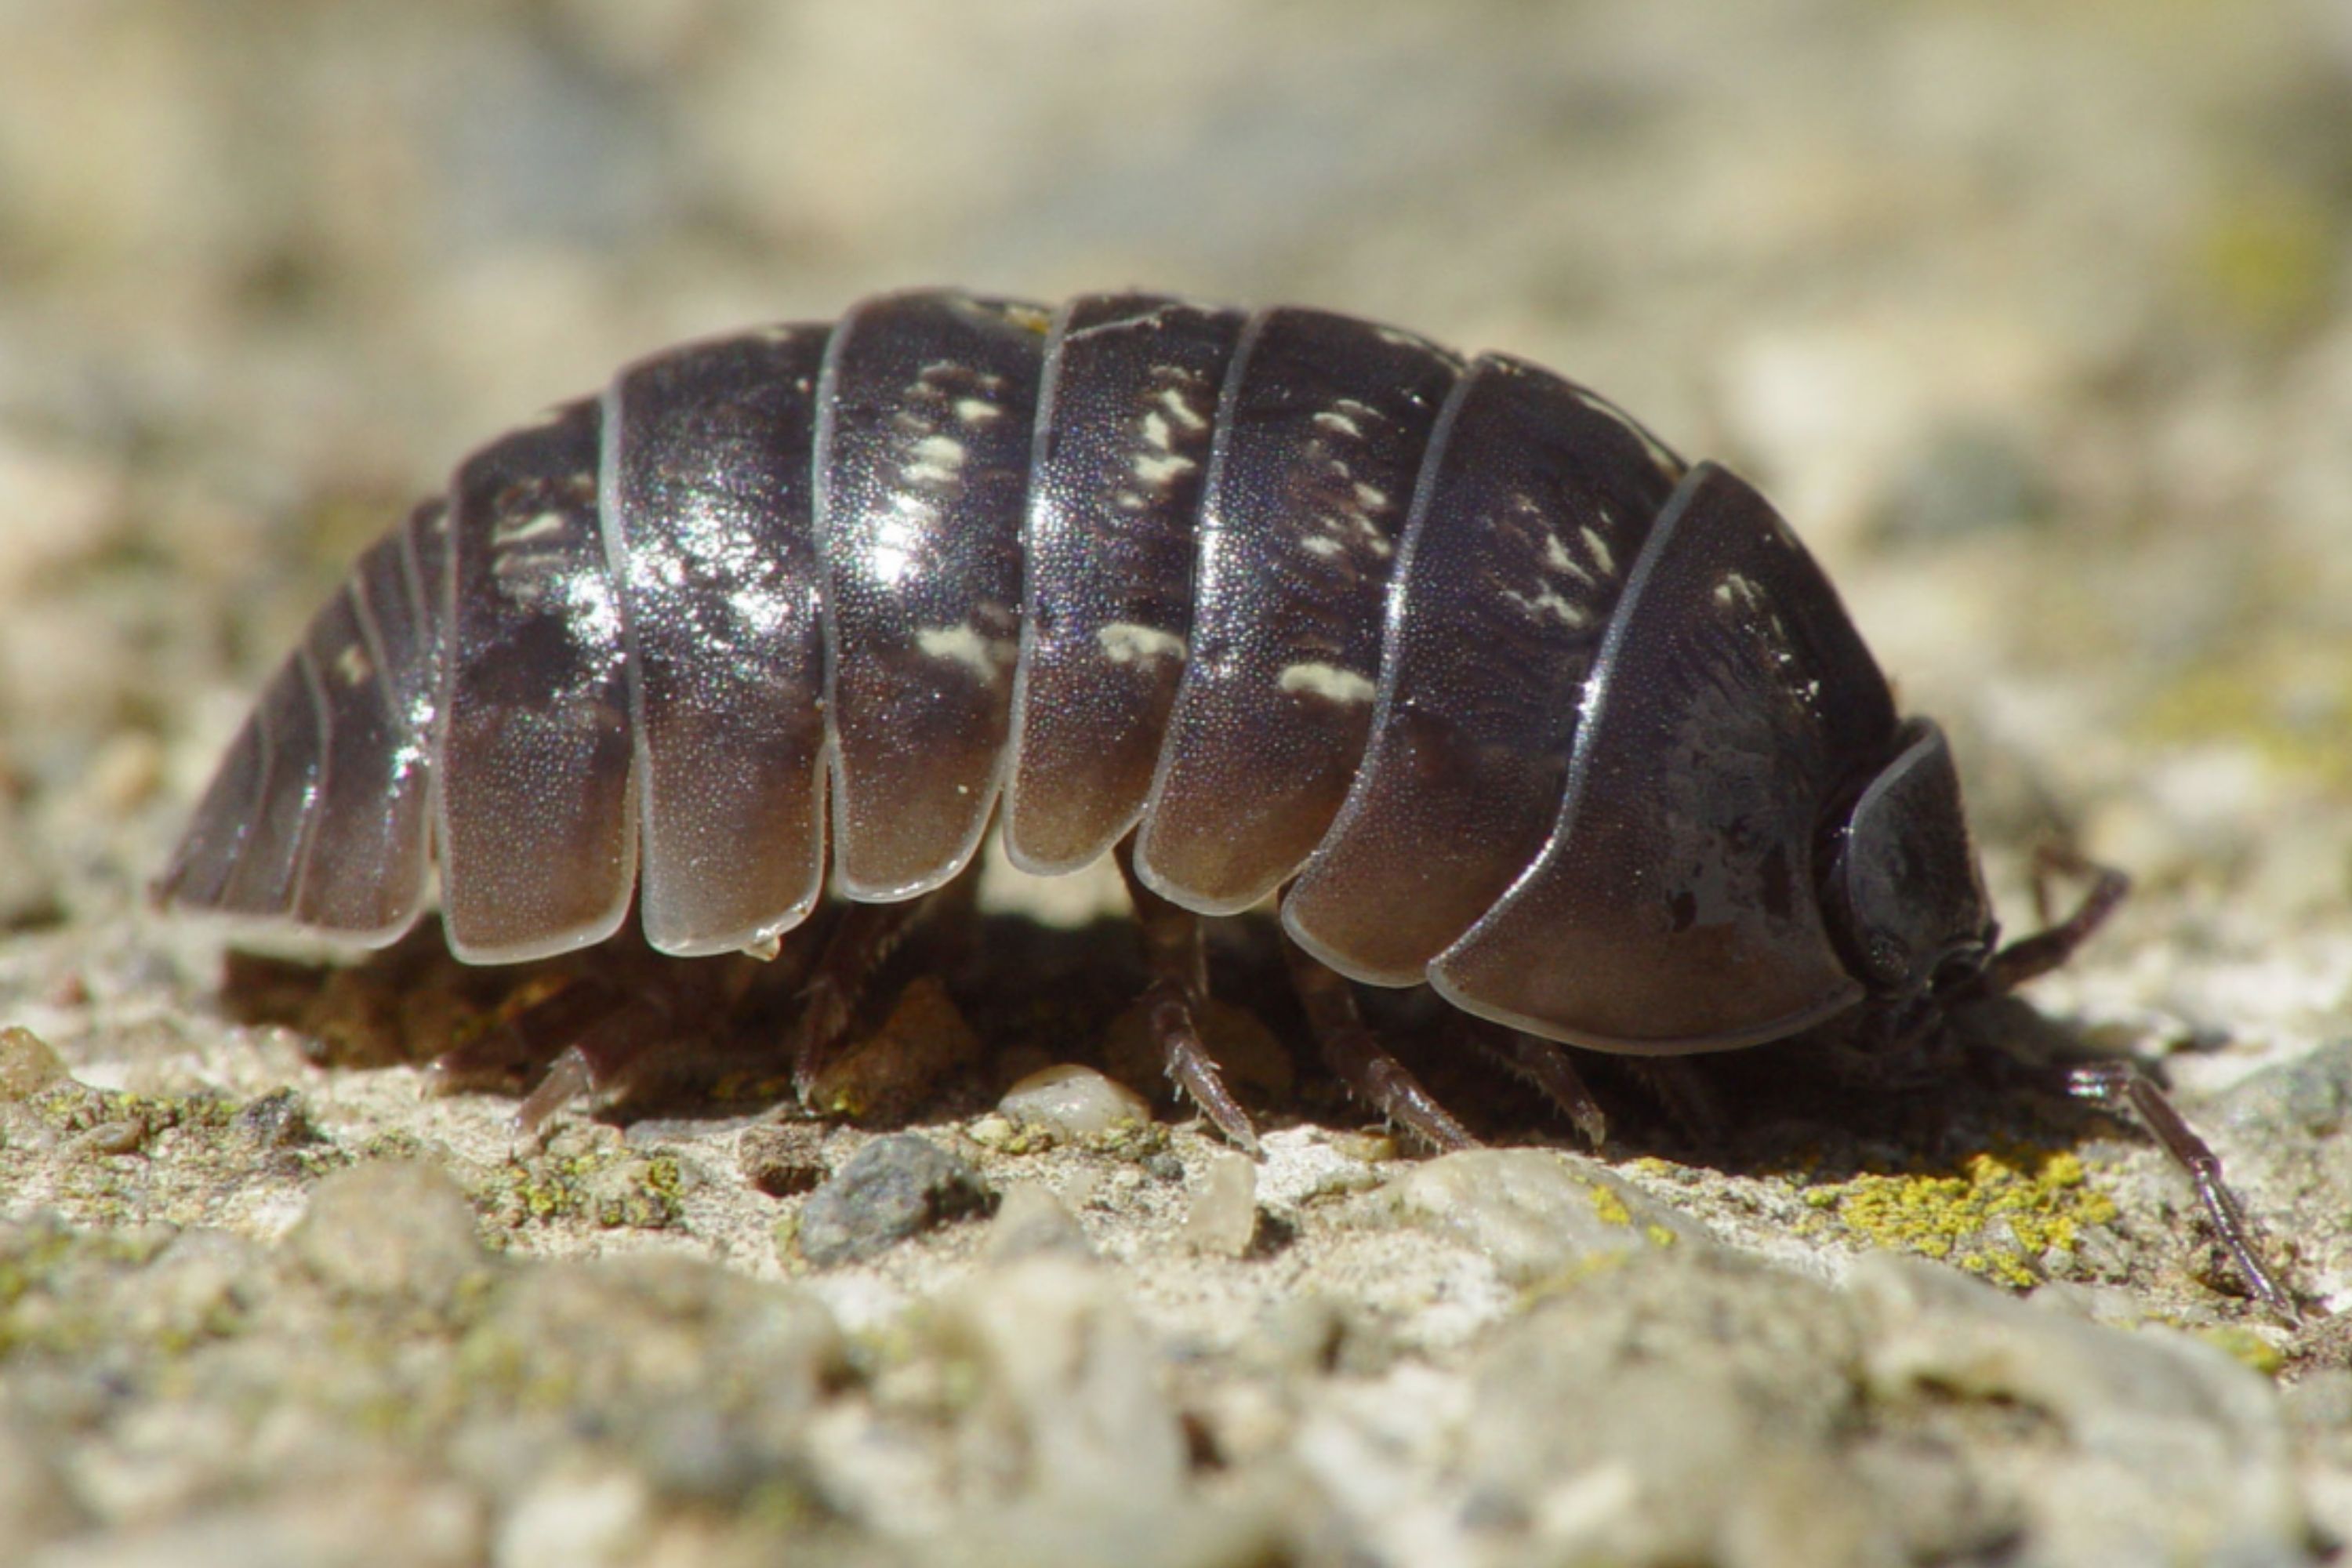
x,y
1500,693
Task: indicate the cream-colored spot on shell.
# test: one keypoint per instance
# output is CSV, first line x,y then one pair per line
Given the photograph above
x,y
1127,642
962,645
1328,681
531,530
1597,546
352,665
976,411
1180,408
1548,603
935,460
1159,470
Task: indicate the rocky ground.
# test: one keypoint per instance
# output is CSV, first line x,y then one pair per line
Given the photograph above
x,y
2037,320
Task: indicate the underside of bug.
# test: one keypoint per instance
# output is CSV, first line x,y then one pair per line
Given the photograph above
x,y
1496,692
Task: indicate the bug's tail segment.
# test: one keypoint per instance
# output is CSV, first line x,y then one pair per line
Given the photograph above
x,y
317,817
210,852
537,820
1673,909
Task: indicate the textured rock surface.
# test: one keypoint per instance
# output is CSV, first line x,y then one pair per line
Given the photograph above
x,y
2038,325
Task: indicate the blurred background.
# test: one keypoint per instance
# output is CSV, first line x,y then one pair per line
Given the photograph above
x,y
2036,316
2032,316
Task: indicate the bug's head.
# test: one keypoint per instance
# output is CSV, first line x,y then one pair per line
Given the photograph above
x,y
1904,897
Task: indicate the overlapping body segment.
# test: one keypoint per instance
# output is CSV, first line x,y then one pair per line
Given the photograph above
x,y
1321,434
1130,408
1534,501
924,418
709,527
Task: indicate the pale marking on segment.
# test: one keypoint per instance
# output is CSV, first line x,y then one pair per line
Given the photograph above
x,y
1322,544
976,411
1180,409
1328,681
1663,459
1127,642
1159,471
1155,432
1598,548
1547,602
549,524
1557,559
936,459
897,540
1327,420
352,665
1369,497
962,645
1735,586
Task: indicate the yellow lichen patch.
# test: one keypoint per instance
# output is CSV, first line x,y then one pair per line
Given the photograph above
x,y
1998,1216
2246,1346
2292,704
1610,1206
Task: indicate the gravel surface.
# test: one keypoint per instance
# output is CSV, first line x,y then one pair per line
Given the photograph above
x,y
2036,321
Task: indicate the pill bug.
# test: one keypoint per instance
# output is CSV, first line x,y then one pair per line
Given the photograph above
x,y
1498,692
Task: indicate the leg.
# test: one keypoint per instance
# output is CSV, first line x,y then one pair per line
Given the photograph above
x,y
860,942
2123,1084
1180,980
1551,1070
594,1032
1363,1064
2045,950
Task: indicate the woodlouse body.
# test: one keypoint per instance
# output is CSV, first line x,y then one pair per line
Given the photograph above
x,y
1503,696
1511,699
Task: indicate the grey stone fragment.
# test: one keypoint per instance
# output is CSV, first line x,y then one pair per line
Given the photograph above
x,y
27,1064
1701,1407
395,1230
1030,1220
2168,1449
2309,1097
1068,1405
1534,1212
34,1502
888,1191
1223,1220
377,1521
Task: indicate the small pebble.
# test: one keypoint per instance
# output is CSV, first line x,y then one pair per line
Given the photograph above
x,y
1224,1221
1072,1101
391,1229
783,1162
1031,1220
277,1120
27,1065
1534,1212
112,1138
888,1191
